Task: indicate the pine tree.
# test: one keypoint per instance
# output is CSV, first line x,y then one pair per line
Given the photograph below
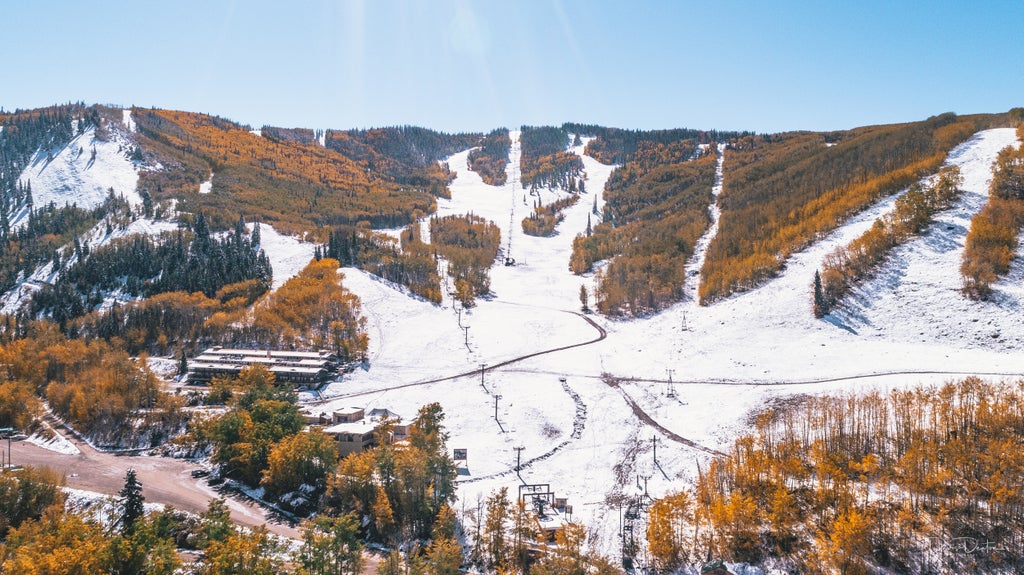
x,y
590,230
820,305
255,238
131,503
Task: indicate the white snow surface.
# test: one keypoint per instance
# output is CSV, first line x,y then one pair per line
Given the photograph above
x,y
71,175
287,254
128,121
58,443
909,326
207,186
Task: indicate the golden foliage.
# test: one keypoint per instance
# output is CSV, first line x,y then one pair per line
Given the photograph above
x,y
992,239
846,266
784,191
298,186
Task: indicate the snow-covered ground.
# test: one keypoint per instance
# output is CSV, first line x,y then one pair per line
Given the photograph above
x,y
73,175
907,327
287,254
583,436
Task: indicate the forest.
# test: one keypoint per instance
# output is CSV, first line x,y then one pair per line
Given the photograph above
x,y
619,146
919,480
489,160
544,160
139,266
544,217
847,266
784,191
470,245
656,209
992,240
284,180
96,386
408,262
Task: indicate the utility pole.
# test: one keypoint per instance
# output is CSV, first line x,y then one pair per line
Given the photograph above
x,y
671,387
519,453
496,398
459,310
465,328
483,367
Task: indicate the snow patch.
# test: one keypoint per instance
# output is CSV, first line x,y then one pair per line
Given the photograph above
x,y
207,186
126,119
288,255
57,443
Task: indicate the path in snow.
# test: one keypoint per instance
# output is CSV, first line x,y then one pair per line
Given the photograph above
x,y
700,250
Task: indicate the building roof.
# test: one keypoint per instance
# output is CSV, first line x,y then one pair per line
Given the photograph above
x,y
355,427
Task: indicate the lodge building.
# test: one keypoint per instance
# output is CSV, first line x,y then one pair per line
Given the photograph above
x,y
300,368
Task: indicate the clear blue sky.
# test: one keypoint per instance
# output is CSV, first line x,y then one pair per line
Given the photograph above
x,y
455,65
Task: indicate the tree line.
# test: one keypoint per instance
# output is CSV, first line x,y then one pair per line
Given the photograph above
x,y
913,481
847,266
993,238
784,191
618,146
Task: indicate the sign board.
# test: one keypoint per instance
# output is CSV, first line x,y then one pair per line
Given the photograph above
x,y
460,455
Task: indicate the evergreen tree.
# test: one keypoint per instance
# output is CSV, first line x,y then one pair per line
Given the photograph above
x,y
131,503
820,306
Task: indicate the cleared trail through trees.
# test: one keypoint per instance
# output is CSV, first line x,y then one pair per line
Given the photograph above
x,y
700,250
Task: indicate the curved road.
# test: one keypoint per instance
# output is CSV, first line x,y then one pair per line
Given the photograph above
x,y
164,480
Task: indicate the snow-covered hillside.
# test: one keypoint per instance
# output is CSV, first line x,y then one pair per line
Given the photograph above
x,y
83,172
594,441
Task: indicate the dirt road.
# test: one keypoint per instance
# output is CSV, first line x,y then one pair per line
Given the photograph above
x,y
164,480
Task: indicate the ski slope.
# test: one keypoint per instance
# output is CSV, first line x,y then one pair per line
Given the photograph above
x,y
587,438
72,174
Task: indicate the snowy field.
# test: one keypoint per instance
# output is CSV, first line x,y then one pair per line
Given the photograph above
x,y
593,437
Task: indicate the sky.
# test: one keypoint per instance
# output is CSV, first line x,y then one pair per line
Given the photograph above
x,y
459,65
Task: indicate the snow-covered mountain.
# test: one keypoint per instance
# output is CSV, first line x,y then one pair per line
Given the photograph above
x,y
587,397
